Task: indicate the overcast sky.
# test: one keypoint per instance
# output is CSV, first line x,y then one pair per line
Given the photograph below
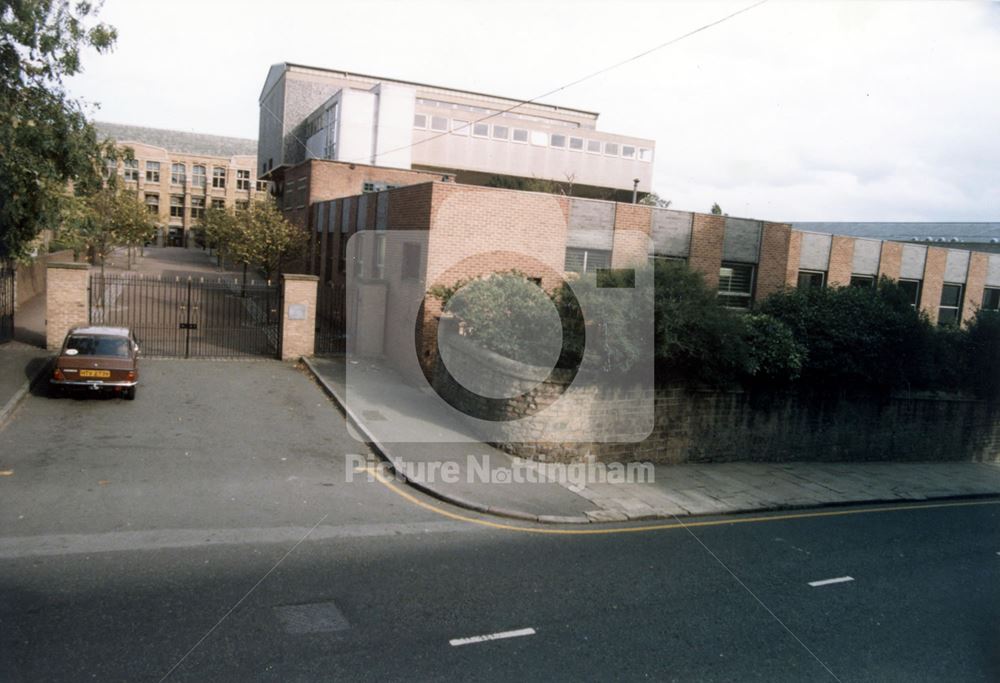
x,y
791,111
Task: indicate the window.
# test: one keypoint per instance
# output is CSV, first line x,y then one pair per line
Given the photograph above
x,y
950,310
480,130
557,140
736,285
176,206
242,204
912,289
539,138
218,177
411,261
152,171
242,179
501,132
132,170
153,203
576,143
197,176
197,208
586,260
263,186
594,146
439,123
863,281
520,135
628,151
459,127
218,203
991,299
611,148
419,120
178,174
812,279
367,187
380,257
645,154
654,258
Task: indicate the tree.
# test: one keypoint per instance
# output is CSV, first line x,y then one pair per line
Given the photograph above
x,y
653,199
101,220
45,140
258,236
716,209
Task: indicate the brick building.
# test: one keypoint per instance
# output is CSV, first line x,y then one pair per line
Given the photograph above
x,y
179,175
475,138
466,231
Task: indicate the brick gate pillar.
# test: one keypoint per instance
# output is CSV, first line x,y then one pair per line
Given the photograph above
x,y
298,319
65,300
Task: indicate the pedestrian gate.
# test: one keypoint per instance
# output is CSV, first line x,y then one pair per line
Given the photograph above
x,y
191,317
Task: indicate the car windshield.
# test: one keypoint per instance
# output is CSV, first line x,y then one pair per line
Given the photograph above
x,y
95,345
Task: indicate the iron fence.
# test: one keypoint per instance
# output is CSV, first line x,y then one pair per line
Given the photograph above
x,y
6,302
331,320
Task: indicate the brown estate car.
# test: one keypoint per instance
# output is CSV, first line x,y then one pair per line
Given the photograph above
x,y
98,358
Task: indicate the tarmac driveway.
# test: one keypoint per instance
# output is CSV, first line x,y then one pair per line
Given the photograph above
x,y
246,450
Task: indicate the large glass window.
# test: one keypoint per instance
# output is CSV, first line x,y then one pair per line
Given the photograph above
x,y
991,299
812,279
950,310
178,174
152,171
242,179
520,135
557,140
912,289
480,130
218,203
586,260
197,208
218,177
863,281
501,132
153,203
736,285
198,176
176,206
419,120
132,170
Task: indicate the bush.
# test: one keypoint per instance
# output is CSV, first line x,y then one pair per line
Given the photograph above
x,y
773,355
982,353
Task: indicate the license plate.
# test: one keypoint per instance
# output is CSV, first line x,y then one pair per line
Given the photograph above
x,y
95,373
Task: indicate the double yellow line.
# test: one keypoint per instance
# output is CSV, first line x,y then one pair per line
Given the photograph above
x,y
378,476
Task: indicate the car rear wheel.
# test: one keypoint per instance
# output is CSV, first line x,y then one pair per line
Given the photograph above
x,y
129,394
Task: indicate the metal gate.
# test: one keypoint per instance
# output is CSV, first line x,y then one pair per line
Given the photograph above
x,y
192,317
6,303
331,319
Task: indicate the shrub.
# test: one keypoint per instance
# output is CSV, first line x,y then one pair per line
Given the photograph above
x,y
982,353
773,355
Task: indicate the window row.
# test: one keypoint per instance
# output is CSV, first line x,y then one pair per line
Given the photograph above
x,y
199,175
495,112
538,138
197,205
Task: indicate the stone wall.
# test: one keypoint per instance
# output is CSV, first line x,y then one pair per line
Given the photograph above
x,y
31,276
732,426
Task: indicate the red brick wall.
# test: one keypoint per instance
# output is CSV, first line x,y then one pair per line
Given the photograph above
x,y
975,283
774,250
841,261
633,223
930,297
707,233
890,260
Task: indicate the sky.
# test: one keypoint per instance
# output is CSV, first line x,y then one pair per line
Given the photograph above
x,y
792,111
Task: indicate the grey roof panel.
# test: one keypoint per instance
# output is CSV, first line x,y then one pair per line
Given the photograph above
x,y
177,140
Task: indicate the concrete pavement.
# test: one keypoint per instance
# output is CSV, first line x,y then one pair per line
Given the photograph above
x,y
385,408
20,365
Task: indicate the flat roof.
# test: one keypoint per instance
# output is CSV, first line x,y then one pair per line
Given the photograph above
x,y
418,84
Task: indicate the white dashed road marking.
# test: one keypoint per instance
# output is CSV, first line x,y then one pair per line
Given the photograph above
x,y
455,642
827,582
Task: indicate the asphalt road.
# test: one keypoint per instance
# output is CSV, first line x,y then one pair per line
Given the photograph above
x,y
165,536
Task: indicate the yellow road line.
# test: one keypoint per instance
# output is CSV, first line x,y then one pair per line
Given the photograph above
x,y
659,527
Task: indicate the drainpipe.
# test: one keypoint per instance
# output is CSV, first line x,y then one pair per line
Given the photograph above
x,y
635,190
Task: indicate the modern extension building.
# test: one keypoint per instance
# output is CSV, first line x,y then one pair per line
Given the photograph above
x,y
309,113
179,175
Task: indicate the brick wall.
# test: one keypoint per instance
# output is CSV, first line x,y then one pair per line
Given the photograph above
x,y
930,295
891,259
794,256
775,243
298,336
841,261
707,232
975,283
633,223
65,300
